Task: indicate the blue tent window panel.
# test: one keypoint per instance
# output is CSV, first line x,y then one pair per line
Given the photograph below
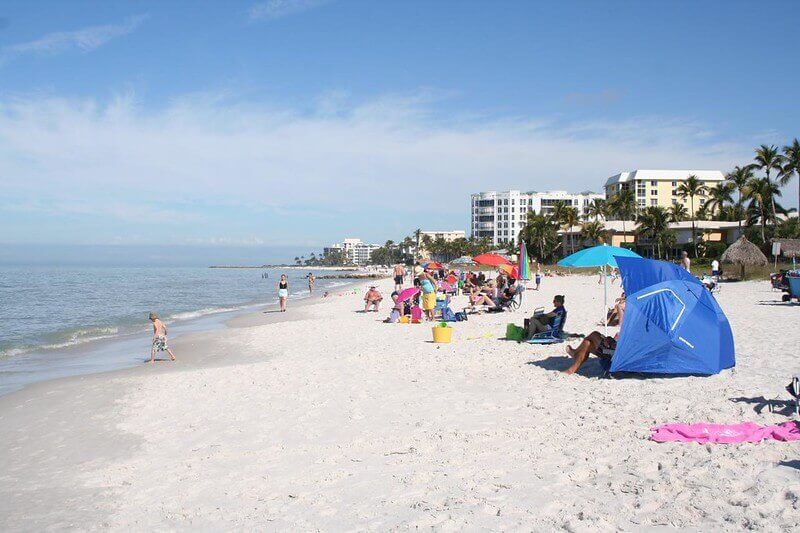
x,y
662,307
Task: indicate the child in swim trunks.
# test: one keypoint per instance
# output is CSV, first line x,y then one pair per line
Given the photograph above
x,y
159,338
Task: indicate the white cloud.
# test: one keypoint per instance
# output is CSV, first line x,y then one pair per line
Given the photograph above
x,y
84,40
392,154
273,9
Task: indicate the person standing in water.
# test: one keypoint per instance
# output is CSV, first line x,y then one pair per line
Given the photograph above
x,y
310,278
159,339
283,292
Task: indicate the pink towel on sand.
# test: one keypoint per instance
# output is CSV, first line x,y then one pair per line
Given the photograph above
x,y
725,433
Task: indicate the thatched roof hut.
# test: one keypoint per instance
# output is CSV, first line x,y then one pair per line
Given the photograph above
x,y
744,253
789,247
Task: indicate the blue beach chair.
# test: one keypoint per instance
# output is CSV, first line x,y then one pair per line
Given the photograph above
x,y
554,333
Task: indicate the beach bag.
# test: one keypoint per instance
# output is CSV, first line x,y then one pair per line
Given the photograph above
x,y
416,313
461,316
448,315
515,333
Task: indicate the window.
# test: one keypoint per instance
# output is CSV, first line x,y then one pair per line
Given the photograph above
x,y
702,201
653,201
641,188
640,202
674,183
653,183
653,192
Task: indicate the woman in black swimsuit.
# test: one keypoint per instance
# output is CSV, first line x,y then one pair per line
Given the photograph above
x,y
283,292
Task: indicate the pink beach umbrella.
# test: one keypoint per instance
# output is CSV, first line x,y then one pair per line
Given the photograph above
x,y
407,294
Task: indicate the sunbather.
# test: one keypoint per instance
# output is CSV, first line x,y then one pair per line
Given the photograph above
x,y
372,299
594,343
615,314
542,323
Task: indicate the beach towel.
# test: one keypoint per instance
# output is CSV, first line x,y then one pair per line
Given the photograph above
x,y
725,433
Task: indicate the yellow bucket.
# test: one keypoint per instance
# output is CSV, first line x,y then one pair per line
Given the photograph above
x,y
442,335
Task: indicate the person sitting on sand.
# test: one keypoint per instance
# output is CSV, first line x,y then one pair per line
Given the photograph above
x,y
542,323
615,314
159,338
594,343
372,299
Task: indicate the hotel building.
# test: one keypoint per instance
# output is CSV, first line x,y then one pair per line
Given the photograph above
x,y
660,187
501,215
357,252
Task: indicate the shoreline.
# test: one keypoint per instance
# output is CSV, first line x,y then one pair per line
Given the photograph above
x,y
112,352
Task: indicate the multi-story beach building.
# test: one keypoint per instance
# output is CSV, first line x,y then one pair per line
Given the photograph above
x,y
448,236
357,252
501,215
660,187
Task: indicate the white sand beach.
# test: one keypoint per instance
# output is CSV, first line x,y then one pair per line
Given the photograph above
x,y
327,419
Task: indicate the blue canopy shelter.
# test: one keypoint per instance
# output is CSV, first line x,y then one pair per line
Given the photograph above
x,y
672,324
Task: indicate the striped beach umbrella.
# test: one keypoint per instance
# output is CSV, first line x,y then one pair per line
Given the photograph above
x,y
524,264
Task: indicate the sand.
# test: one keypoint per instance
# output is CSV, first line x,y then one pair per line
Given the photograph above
x,y
327,419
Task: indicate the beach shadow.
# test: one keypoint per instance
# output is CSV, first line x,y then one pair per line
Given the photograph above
x,y
589,369
794,463
273,311
775,302
160,360
781,407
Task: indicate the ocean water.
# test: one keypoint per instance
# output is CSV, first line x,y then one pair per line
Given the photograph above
x,y
47,313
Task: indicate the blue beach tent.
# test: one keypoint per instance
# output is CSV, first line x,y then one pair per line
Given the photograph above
x,y
672,324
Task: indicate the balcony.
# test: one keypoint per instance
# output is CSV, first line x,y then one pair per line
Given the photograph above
x,y
485,225
484,210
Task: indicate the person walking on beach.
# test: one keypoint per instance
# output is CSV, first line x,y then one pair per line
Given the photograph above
x,y
686,263
399,275
283,292
311,280
538,276
159,339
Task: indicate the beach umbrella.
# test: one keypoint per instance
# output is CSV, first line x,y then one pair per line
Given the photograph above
x,y
407,294
744,253
511,270
602,256
463,260
673,325
433,265
445,286
493,260
524,264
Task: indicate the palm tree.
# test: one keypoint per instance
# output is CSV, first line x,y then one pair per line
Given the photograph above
x,y
689,189
557,213
758,190
717,198
594,231
678,213
597,209
653,222
739,178
570,218
791,157
623,206
417,233
540,234
767,159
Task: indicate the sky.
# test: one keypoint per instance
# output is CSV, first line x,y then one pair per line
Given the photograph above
x,y
301,122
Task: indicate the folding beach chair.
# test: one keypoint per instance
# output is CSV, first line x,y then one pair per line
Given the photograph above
x,y
554,333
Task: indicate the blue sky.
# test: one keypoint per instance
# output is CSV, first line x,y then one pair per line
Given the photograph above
x,y
304,121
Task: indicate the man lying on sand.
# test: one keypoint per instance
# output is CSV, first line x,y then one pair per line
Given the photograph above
x,y
596,343
159,338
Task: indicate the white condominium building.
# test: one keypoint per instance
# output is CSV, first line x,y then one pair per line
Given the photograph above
x,y
501,215
357,252
448,236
